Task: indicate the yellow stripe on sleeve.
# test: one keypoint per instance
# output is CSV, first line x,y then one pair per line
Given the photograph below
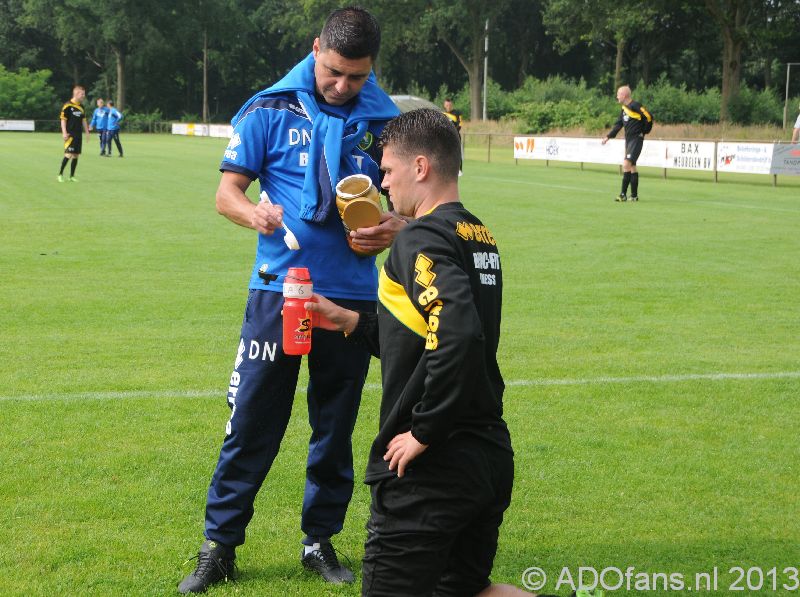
x,y
632,113
393,296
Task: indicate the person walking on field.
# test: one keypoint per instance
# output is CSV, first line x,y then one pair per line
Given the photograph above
x,y
73,124
636,120
796,131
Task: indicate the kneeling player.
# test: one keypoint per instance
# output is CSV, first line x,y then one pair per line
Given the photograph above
x,y
442,467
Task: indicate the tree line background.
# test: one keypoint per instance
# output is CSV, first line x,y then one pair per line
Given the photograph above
x,y
549,60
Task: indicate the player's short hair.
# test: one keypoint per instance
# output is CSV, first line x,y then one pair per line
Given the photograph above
x,y
110,103
76,87
425,132
351,32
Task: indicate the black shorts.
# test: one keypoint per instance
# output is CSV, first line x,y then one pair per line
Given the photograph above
x,y
73,144
434,531
633,148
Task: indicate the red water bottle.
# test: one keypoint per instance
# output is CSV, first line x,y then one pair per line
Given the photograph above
x,y
297,290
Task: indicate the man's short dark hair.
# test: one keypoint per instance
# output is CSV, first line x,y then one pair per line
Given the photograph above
x,y
351,32
425,132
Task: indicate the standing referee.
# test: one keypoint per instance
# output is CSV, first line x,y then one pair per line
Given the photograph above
x,y
632,117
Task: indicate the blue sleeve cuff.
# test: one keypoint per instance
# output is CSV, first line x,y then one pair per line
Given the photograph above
x,y
229,167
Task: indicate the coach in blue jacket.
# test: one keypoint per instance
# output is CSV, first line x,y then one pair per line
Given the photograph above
x,y
298,138
99,123
112,133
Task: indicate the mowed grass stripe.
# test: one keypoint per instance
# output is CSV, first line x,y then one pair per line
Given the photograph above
x,y
371,386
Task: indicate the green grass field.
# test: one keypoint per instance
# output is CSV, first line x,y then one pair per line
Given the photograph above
x,y
651,353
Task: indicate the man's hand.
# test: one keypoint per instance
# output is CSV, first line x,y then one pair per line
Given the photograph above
x,y
331,316
377,238
266,218
401,451
604,141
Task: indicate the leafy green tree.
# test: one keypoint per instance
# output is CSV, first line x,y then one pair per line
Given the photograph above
x,y
26,94
461,27
599,21
733,18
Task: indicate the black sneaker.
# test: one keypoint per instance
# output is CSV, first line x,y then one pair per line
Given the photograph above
x,y
215,562
635,198
324,562
621,197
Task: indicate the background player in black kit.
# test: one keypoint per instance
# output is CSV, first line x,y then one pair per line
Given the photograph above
x,y
73,124
441,467
634,117
456,117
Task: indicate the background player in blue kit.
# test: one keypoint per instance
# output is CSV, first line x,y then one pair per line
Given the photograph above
x,y
99,123
112,131
299,137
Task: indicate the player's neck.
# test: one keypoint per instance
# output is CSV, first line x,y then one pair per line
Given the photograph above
x,y
437,195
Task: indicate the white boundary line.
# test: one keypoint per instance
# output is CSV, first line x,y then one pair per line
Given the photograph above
x,y
372,386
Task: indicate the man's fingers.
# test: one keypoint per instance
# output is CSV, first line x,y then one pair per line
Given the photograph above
x,y
395,460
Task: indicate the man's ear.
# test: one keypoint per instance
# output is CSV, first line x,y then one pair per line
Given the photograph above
x,y
315,47
422,167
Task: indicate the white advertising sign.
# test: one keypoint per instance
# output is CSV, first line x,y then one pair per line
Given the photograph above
x,y
190,128
691,155
220,130
786,159
748,158
202,130
569,149
687,155
16,125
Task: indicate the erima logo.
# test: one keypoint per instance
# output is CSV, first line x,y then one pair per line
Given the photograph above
x,y
297,109
239,354
235,141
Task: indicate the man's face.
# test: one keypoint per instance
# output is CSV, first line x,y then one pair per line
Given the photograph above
x,y
339,79
448,105
99,103
79,94
398,178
